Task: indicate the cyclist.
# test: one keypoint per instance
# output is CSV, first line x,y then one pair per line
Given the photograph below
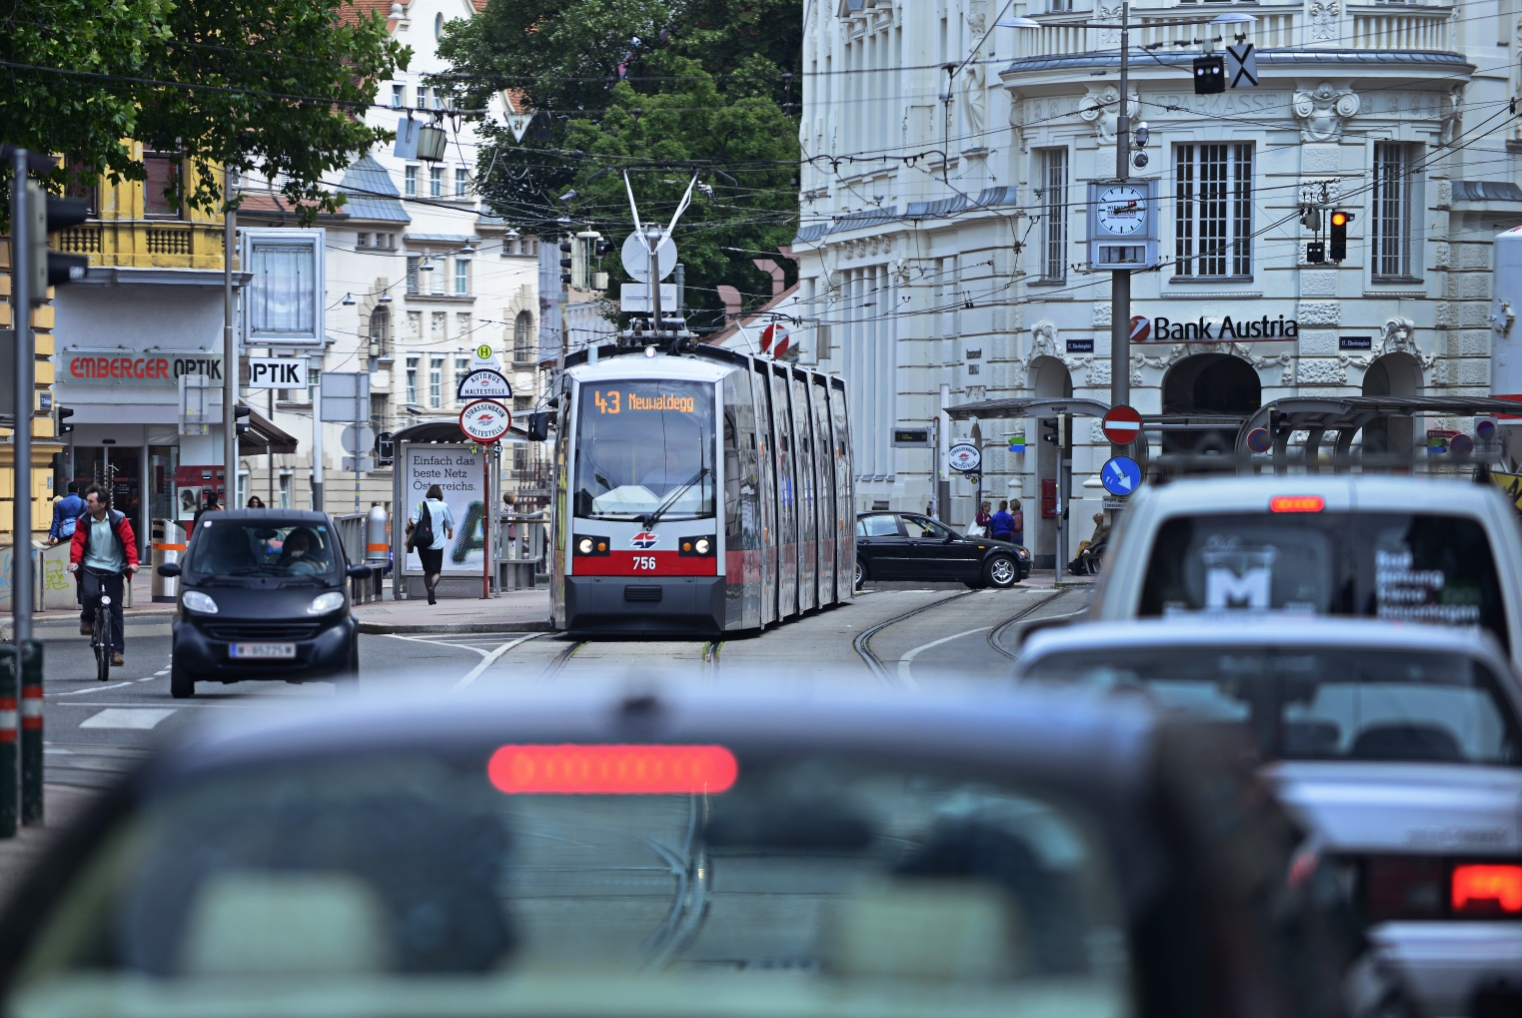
x,y
107,549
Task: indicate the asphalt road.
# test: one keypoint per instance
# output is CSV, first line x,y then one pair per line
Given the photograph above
x,y
95,731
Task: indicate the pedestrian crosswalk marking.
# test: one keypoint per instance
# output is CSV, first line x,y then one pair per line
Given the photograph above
x,y
127,717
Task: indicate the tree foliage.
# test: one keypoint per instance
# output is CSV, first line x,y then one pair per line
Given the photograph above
x,y
709,88
273,86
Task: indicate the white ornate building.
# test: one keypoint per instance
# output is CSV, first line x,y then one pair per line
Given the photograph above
x,y
942,242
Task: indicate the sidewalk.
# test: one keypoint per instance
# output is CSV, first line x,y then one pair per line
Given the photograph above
x,y
1048,578
515,611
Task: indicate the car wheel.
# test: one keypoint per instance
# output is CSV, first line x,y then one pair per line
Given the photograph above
x,y
1000,571
860,576
182,681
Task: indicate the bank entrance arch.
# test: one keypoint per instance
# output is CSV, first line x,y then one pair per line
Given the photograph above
x,y
1209,385
1394,374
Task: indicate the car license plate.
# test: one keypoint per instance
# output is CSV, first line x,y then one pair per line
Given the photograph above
x,y
264,650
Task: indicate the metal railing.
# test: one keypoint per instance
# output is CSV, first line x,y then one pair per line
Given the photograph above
x,y
351,535
524,540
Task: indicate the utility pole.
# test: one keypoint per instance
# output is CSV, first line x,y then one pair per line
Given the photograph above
x,y
1120,279
22,272
229,349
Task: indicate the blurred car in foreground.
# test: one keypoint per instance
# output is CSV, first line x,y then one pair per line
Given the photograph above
x,y
264,594
1398,744
686,854
1401,549
909,546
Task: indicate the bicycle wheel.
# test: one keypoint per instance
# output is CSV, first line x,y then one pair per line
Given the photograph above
x,y
100,640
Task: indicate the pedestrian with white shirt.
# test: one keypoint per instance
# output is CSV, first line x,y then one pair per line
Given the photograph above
x,y
104,554
429,532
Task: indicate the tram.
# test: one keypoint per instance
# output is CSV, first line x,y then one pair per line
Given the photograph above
x,y
698,493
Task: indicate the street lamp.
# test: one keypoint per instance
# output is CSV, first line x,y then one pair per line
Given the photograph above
x,y
348,300
1017,21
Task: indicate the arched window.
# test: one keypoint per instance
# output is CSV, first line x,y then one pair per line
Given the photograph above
x,y
523,338
380,331
438,25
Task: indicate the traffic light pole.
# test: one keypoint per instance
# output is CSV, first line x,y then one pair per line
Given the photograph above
x,y
229,352
1120,279
22,297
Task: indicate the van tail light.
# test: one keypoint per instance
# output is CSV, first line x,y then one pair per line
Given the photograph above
x,y
1296,504
570,769
1486,889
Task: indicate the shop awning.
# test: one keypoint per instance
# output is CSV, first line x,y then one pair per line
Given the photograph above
x,y
263,437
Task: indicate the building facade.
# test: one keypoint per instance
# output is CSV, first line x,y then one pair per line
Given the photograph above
x,y
945,217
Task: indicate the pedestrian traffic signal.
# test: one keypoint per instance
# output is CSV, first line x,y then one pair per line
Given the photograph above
x,y
1049,430
1315,253
384,448
47,214
61,414
1209,75
239,424
1339,245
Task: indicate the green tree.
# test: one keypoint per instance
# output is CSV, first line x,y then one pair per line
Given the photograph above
x,y
709,87
273,86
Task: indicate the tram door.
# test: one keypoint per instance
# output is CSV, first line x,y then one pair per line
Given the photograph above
x,y
766,464
808,511
787,495
742,551
845,499
824,488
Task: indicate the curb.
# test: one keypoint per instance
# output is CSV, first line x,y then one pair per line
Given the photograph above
x,y
386,628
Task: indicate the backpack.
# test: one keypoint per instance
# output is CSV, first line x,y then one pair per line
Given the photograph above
x,y
66,527
422,530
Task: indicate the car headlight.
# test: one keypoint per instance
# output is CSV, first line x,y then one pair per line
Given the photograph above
x,y
198,602
324,603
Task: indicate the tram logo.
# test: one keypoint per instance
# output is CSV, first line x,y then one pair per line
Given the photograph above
x,y
646,539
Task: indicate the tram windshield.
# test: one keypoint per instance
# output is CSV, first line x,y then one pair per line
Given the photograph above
x,y
644,446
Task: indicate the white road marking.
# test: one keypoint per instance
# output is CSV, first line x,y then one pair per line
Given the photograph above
x,y
94,689
149,678
162,671
491,659
439,643
904,662
120,717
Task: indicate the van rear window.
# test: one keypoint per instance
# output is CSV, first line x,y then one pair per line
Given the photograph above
x,y
1409,567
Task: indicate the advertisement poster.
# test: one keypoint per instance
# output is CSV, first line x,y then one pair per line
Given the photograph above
x,y
457,471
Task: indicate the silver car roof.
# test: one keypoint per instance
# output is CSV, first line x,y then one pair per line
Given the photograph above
x,y
1342,491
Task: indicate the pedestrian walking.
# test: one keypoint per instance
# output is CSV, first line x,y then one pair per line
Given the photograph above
x,y
1001,524
211,506
255,502
104,553
1017,522
980,521
429,531
66,514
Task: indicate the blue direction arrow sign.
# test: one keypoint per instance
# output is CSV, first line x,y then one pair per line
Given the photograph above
x,y
1120,475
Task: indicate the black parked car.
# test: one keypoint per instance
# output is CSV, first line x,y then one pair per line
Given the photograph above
x,y
263,595
910,546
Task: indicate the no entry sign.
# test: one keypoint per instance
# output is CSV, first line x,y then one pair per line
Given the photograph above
x,y
1121,425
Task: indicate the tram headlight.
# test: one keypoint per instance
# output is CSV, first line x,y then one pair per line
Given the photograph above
x,y
591,545
698,546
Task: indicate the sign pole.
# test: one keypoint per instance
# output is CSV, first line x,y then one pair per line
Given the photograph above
x,y
21,317
1120,279
486,508
317,499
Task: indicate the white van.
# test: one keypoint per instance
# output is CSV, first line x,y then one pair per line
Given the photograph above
x,y
1411,549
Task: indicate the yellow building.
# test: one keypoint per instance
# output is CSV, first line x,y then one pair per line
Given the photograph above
x,y
44,445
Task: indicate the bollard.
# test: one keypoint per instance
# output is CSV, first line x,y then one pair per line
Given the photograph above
x,y
31,732
7,741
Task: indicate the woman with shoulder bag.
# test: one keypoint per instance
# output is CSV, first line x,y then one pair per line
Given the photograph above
x,y
428,533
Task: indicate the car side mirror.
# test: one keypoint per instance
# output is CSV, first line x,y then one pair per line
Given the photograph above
x,y
360,571
168,569
948,538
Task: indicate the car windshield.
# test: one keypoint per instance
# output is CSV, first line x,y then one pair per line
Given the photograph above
x,y
645,444
1407,567
223,547
464,881
1318,704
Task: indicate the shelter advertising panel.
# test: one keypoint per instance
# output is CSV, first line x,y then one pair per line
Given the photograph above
x,y
458,473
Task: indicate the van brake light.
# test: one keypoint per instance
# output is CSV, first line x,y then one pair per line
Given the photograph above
x,y
1296,504
611,770
1487,889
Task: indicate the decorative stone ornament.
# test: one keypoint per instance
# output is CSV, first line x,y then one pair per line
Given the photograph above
x,y
1323,110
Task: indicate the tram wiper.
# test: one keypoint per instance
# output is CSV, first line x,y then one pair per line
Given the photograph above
x,y
651,519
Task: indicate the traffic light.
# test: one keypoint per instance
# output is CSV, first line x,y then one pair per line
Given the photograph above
x,y
1055,430
1339,245
1315,252
61,414
539,426
1209,75
47,214
385,449
241,425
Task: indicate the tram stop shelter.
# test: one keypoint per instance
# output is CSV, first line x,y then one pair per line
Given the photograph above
x,y
470,476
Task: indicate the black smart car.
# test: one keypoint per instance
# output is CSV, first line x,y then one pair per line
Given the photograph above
x,y
910,546
263,595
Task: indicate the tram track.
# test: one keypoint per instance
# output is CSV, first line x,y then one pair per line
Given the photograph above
x,y
863,641
995,635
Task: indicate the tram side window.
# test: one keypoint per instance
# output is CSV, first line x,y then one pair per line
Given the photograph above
x,y
731,472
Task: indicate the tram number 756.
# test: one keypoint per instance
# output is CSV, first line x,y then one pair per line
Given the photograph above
x,y
645,563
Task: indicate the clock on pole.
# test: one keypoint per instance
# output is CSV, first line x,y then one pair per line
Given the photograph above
x,y
1123,218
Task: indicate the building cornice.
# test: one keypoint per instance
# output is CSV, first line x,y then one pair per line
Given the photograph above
x,y
1321,60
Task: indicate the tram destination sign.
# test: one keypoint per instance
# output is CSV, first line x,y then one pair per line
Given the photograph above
x,y
484,383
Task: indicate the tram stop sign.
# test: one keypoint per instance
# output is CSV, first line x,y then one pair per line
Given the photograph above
x,y
485,421
1121,424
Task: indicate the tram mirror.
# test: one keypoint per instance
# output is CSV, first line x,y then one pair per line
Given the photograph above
x,y
538,426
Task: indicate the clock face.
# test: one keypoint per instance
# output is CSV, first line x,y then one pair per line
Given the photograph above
x,y
1122,210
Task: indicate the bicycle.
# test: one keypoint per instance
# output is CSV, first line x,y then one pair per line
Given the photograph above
x,y
100,638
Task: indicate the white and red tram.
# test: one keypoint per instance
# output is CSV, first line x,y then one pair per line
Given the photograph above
x,y
696,494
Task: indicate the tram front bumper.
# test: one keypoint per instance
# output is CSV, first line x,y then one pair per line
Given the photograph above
x,y
644,604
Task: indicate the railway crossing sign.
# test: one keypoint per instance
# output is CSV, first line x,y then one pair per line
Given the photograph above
x,y
1120,475
485,421
1241,66
1121,424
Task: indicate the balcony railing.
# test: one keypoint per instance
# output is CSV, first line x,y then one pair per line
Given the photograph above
x,y
169,240
1385,27
83,240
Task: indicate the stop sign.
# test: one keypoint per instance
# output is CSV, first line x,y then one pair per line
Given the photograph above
x,y
1121,425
